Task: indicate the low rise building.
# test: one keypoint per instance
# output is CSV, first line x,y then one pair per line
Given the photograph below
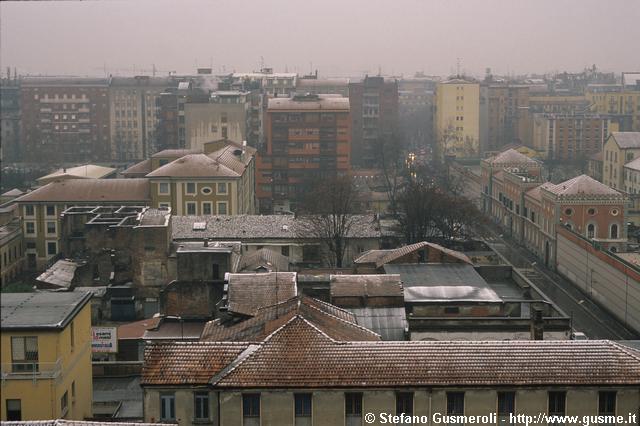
x,y
87,171
46,356
619,149
299,374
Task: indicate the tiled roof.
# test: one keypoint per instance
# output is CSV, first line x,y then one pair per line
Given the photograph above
x,y
243,227
580,186
335,322
87,171
175,153
265,258
371,256
194,165
300,355
136,329
535,193
511,156
15,192
227,157
182,363
379,285
249,292
138,169
633,165
627,140
91,190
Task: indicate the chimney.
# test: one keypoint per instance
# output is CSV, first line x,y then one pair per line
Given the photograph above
x,y
537,324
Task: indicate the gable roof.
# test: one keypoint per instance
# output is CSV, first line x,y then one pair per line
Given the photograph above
x,y
237,162
300,355
249,292
90,190
87,171
335,322
138,169
511,156
633,165
626,140
194,165
266,258
403,251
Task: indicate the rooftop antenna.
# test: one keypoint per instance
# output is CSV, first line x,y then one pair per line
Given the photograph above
x,y
261,63
458,66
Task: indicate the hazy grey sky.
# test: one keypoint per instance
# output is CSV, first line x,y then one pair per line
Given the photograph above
x,y
340,37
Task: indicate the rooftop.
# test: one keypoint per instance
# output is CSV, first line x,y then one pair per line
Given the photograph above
x,y
249,292
313,102
41,310
88,171
175,153
511,156
60,274
90,190
194,165
378,285
291,356
580,185
627,139
139,169
263,258
633,165
442,282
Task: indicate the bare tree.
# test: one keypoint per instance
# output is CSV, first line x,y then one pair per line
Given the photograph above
x,y
328,215
389,157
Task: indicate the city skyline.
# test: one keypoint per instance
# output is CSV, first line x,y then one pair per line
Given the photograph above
x,y
77,38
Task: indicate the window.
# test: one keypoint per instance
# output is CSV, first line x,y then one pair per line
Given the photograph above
x,y
224,133
206,190
14,410
251,409
24,354
455,403
284,250
222,188
73,335
73,392
29,211
201,405
607,403
30,228
206,208
191,188
163,205
614,232
222,208
163,161
568,212
591,211
404,403
167,406
591,230
353,408
163,188
557,405
51,228
52,248
191,208
64,404
51,210
506,406
302,409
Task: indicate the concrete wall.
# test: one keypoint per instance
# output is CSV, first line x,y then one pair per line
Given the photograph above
x,y
604,277
328,407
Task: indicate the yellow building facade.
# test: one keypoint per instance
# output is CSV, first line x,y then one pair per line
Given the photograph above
x,y
457,118
617,101
46,356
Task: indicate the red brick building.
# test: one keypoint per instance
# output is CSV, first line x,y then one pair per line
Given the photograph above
x,y
307,138
65,119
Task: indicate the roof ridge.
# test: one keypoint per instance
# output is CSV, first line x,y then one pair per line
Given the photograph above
x,y
356,325
244,355
322,302
631,352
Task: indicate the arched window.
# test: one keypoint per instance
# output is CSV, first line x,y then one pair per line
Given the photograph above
x,y
614,232
591,230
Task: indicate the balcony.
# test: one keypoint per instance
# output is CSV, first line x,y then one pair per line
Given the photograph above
x,y
31,370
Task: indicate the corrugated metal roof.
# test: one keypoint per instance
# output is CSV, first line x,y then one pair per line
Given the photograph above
x,y
60,273
389,323
442,282
365,285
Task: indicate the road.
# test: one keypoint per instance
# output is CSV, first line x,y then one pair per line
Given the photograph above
x,y
588,316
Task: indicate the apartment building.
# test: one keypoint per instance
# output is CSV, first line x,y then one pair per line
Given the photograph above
x,y
374,118
279,381
322,86
620,148
570,137
632,188
41,209
134,115
46,356
621,101
10,117
308,137
11,251
508,115
457,118
65,119
271,83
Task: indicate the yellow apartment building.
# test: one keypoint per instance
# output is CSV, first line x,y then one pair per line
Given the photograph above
x,y
46,356
11,251
457,118
619,149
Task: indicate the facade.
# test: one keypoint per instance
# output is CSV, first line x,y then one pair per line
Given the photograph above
x,y
11,251
46,356
632,188
134,115
271,83
10,116
619,149
595,166
573,137
320,86
221,182
308,137
41,209
65,120
278,380
621,101
374,118
457,118
508,115
224,117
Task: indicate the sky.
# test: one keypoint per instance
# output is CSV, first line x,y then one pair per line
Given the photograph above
x,y
336,37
